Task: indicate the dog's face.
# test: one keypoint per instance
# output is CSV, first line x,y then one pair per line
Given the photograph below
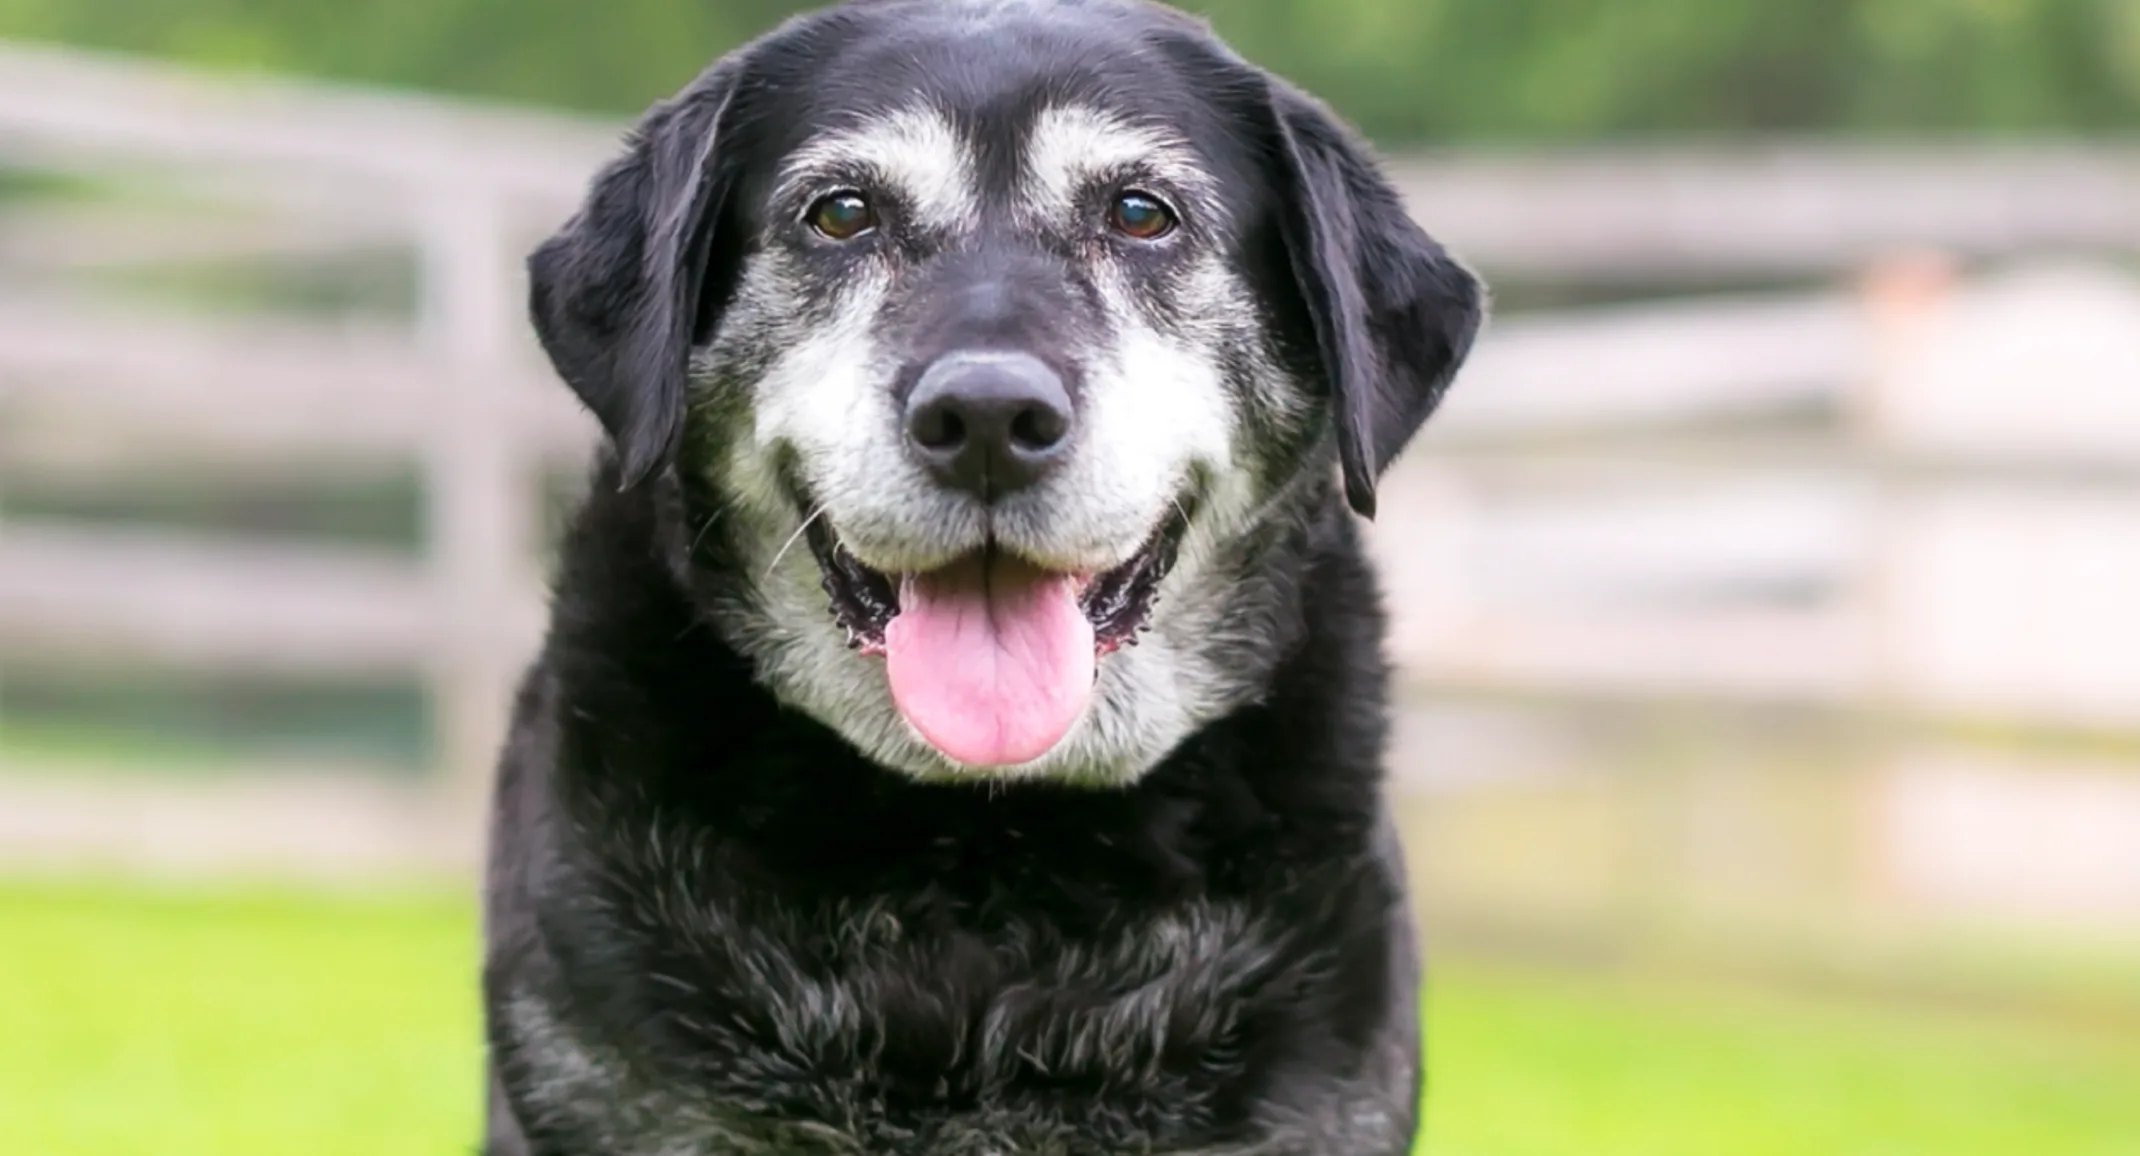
x,y
1016,330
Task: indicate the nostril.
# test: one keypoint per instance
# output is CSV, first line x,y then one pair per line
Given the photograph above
x,y
1038,428
938,427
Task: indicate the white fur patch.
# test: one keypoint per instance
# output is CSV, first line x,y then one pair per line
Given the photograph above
x,y
826,403
915,152
1072,146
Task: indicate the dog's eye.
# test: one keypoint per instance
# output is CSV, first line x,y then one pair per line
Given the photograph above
x,y
1141,216
843,216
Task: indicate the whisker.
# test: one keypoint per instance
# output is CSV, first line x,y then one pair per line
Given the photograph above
x,y
699,538
815,513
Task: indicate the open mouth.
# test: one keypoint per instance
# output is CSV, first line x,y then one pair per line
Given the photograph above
x,y
990,658
1117,602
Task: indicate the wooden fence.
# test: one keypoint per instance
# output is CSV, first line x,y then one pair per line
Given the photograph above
x,y
1564,452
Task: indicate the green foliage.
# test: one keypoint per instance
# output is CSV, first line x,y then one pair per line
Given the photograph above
x,y
1405,69
1565,69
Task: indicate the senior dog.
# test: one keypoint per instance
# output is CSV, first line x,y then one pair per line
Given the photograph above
x,y
961,721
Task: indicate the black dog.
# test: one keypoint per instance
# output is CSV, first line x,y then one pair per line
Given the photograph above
x,y
1046,340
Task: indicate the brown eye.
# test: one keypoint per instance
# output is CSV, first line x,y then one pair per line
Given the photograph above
x,y
1141,216
843,216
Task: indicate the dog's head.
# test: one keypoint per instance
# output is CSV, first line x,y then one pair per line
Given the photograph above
x,y
1012,326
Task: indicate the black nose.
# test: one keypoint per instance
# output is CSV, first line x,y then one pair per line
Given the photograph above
x,y
990,424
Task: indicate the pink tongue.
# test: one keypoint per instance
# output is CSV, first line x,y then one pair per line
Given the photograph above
x,y
990,658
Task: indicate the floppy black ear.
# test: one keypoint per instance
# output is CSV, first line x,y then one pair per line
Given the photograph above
x,y
1393,313
615,292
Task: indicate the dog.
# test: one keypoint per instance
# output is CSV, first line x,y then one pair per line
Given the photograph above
x,y
960,725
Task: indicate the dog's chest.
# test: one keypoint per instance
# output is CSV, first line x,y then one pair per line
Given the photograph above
x,y
1023,1040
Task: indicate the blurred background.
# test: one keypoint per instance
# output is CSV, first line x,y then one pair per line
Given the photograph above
x,y
1768,593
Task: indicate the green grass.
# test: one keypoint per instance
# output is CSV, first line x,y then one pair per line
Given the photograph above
x,y
1527,1064
143,1024
139,1025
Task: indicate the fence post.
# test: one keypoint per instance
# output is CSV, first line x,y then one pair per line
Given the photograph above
x,y
481,515
1902,296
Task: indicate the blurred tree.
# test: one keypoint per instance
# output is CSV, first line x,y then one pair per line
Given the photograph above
x,y
1405,69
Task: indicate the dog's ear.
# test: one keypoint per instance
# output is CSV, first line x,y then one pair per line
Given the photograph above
x,y
1393,313
615,293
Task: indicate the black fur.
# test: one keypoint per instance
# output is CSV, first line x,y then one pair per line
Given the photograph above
x,y
616,295
1393,315
713,927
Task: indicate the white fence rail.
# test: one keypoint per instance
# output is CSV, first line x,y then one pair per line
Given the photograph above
x,y
1636,213
1616,565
